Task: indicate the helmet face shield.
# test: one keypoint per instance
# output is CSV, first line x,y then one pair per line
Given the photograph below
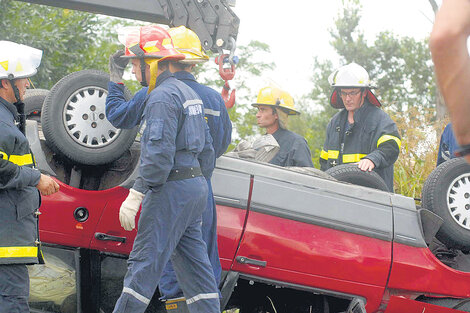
x,y
18,61
153,41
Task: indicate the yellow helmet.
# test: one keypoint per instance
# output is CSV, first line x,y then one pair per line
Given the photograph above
x,y
187,42
276,98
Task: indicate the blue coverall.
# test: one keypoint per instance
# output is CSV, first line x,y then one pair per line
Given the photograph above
x,y
447,145
19,200
176,137
124,114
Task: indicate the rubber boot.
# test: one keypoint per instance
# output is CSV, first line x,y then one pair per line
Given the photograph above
x,y
176,305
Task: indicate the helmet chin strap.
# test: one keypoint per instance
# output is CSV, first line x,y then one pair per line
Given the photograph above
x,y
140,54
19,107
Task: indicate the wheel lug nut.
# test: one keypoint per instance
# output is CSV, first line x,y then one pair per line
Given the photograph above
x,y
101,116
93,124
466,195
93,108
85,116
467,207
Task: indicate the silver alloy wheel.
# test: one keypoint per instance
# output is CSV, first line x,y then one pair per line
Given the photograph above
x,y
85,119
458,200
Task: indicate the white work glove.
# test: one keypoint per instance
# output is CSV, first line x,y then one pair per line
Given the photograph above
x,y
117,65
129,209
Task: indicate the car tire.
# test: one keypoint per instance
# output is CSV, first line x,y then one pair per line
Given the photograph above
x,y
33,100
310,171
350,173
446,192
74,120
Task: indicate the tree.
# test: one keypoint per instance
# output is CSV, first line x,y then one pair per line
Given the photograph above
x,y
70,40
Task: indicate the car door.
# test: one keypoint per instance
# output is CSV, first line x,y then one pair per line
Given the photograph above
x,y
318,234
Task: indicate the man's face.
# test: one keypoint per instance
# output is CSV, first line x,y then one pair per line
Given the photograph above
x,y
8,94
352,98
265,116
137,72
22,84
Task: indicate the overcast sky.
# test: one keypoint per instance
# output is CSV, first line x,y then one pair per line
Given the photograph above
x,y
299,31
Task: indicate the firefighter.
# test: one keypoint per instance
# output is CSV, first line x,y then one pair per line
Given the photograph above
x,y
126,114
220,126
20,183
361,132
176,152
274,107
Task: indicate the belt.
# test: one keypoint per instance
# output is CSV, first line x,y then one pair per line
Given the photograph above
x,y
184,173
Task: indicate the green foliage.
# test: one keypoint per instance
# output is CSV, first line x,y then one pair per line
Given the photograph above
x,y
242,114
70,40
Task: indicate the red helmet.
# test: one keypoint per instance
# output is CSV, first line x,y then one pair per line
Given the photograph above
x,y
150,41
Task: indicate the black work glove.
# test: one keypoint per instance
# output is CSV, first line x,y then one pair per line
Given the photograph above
x,y
117,64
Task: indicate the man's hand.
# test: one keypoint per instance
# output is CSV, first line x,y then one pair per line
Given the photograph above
x,y
47,186
129,209
366,165
117,64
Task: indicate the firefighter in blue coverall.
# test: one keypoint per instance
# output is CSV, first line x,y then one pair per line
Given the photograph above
x,y
176,152
20,183
124,114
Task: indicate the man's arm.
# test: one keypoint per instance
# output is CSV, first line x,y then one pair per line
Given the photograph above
x,y
448,44
226,130
388,144
122,113
207,157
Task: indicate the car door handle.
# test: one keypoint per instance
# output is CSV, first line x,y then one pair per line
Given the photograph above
x,y
106,237
245,260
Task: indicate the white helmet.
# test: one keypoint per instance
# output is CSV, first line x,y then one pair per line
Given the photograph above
x,y
18,61
350,76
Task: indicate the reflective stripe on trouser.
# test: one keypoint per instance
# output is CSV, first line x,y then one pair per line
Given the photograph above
x,y
14,288
170,226
169,287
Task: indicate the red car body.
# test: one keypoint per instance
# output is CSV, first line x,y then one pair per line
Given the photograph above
x,y
267,242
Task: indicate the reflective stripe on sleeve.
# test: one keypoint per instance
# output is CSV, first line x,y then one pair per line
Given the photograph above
x,y
331,154
20,160
202,296
385,138
191,102
352,158
211,112
18,252
136,295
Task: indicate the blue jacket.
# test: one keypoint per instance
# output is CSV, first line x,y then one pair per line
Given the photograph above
x,y
293,150
215,112
447,145
175,134
19,198
127,114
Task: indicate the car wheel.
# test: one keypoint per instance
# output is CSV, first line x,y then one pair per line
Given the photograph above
x,y
350,173
446,192
33,100
75,124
